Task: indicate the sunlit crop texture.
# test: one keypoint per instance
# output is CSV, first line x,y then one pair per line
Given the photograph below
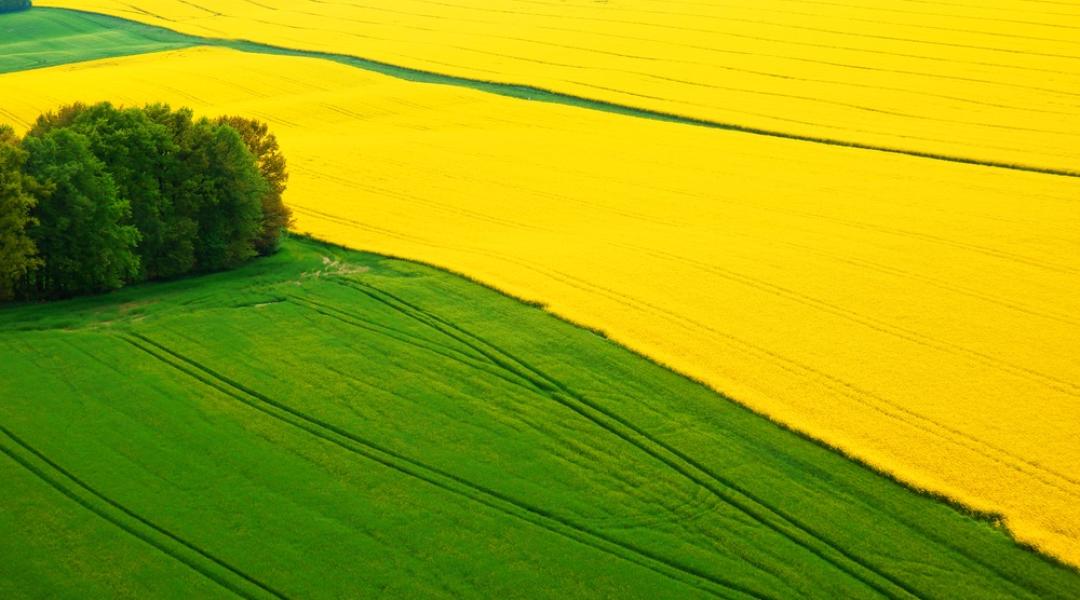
x,y
994,81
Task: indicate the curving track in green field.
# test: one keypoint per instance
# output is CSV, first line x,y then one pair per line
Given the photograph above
x,y
330,423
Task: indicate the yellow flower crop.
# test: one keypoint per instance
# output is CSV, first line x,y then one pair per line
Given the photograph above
x,y
996,80
919,314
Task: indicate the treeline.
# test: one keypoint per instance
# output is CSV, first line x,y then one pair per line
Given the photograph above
x,y
95,197
13,5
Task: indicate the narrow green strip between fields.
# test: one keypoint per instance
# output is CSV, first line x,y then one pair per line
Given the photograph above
x,y
44,37
332,423
519,91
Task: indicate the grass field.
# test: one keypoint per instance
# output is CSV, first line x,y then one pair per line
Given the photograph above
x,y
996,81
41,38
718,253
327,423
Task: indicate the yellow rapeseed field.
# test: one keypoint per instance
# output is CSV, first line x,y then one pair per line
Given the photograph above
x,y
997,80
921,315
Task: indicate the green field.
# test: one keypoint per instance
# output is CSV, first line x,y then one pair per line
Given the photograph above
x,y
43,38
326,423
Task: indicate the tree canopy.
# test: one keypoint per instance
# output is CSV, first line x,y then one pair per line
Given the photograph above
x,y
18,254
276,217
98,196
229,188
140,154
80,229
14,5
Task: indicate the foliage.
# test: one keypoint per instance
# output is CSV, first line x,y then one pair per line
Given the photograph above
x,y
218,180
56,119
80,228
276,216
221,177
190,191
17,250
141,155
14,5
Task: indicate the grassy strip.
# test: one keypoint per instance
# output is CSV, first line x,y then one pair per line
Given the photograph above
x,y
329,423
42,37
524,92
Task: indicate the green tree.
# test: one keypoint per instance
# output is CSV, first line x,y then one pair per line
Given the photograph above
x,y
140,155
179,122
18,254
276,217
111,195
226,186
80,231
218,182
13,5
54,119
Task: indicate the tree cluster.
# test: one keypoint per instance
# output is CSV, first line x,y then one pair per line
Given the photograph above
x,y
13,5
95,197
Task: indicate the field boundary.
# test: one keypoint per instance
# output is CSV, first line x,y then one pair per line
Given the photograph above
x,y
168,39
538,94
993,520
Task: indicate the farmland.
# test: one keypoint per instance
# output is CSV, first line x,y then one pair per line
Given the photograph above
x,y
665,247
913,306
388,427
995,81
